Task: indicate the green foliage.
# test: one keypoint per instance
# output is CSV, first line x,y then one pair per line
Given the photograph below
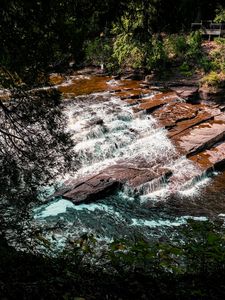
x,y
99,51
194,40
220,15
220,41
206,64
202,251
176,45
157,57
127,47
184,46
185,69
204,248
218,56
213,79
127,52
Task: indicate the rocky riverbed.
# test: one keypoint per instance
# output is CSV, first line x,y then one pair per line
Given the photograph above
x,y
148,160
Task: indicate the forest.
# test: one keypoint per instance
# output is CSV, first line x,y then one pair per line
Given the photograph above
x,y
152,44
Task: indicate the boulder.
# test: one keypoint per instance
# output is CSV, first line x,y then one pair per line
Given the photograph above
x,y
188,93
212,94
92,188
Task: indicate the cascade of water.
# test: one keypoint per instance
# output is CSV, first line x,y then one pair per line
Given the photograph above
x,y
108,131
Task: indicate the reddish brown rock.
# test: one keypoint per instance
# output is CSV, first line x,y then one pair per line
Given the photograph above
x,y
173,113
200,137
92,188
157,101
202,114
85,85
212,94
56,78
211,159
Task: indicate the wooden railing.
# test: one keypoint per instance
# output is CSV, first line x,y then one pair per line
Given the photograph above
x,y
209,28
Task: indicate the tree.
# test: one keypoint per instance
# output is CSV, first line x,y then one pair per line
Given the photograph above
x,y
33,144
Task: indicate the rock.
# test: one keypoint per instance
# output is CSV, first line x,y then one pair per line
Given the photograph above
x,y
56,78
91,189
108,181
95,121
135,93
185,116
211,159
133,74
156,101
188,93
5,95
149,78
201,137
173,113
212,94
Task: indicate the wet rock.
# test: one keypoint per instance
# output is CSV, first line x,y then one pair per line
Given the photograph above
x,y
91,189
89,71
56,78
108,181
95,121
136,93
185,116
156,101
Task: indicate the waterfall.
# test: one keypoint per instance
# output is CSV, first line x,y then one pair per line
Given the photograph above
x,y
108,132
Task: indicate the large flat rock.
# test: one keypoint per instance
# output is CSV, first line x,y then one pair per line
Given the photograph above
x,y
136,93
92,188
81,84
172,113
201,137
189,117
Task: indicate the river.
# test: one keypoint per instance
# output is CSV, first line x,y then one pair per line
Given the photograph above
x,y
118,140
